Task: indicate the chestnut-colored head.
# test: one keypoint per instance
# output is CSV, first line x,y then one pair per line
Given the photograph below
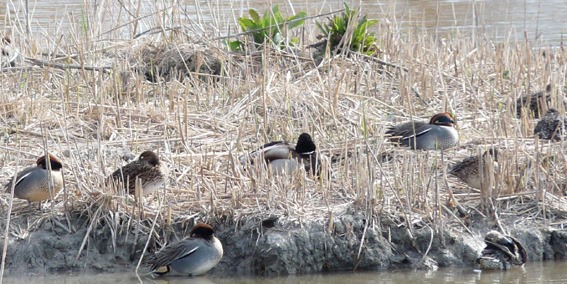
x,y
442,119
53,161
203,231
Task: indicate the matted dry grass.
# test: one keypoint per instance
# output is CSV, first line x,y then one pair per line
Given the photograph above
x,y
199,126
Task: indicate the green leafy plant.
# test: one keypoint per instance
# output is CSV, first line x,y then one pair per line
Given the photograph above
x,y
271,26
349,30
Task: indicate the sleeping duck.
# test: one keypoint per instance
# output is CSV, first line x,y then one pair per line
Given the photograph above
x,y
502,252
475,171
534,104
438,134
284,158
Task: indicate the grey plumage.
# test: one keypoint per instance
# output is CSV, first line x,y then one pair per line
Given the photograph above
x,y
285,158
38,183
191,256
438,134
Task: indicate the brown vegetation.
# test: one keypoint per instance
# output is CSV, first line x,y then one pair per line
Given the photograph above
x,y
200,119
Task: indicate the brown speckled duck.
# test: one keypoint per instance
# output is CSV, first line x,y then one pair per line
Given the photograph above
x,y
147,170
438,134
551,126
534,103
282,157
191,256
502,252
38,183
475,170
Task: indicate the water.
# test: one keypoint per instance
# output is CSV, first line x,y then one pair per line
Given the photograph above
x,y
512,20
539,272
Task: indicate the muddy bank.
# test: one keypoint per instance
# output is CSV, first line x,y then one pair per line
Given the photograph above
x,y
267,249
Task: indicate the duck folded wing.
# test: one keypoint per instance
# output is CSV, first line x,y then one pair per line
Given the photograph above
x,y
19,178
510,246
408,130
179,250
269,152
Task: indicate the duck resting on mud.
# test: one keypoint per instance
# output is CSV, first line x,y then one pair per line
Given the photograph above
x,y
502,252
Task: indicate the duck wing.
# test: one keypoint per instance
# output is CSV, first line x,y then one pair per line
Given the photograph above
x,y
178,250
520,250
127,174
469,162
270,152
408,130
19,178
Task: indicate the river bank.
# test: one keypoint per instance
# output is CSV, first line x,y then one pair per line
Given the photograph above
x,y
351,243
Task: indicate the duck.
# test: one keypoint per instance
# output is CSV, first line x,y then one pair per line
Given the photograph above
x,y
551,126
148,169
475,170
191,256
283,157
9,56
33,183
535,103
438,134
502,252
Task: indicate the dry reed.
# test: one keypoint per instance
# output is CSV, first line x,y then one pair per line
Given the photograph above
x,y
200,123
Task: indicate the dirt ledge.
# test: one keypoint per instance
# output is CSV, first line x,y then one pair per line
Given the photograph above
x,y
253,249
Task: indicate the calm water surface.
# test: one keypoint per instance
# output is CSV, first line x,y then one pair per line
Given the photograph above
x,y
535,20
541,272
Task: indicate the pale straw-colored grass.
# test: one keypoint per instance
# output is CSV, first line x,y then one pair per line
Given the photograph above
x,y
200,126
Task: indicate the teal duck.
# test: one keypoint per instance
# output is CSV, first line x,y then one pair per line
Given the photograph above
x,y
192,256
147,170
34,184
551,126
534,104
474,170
438,134
502,252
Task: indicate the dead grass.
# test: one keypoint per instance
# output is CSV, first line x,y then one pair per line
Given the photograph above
x,y
201,124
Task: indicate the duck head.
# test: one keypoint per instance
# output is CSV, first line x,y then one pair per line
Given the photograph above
x,y
443,119
491,153
203,231
507,245
552,113
305,144
150,157
53,161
